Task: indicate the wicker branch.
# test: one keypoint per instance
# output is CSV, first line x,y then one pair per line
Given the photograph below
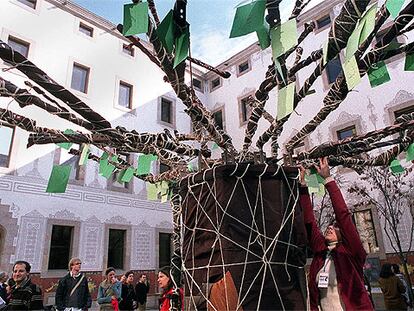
x,y
24,98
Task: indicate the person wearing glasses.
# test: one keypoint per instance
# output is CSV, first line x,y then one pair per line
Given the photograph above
x,y
72,293
336,279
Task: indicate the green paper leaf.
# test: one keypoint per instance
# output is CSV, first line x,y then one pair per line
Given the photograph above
x,y
410,153
135,19
182,44
109,168
263,36
164,197
321,191
84,155
314,171
351,72
144,163
409,62
312,181
165,191
214,147
313,189
165,186
279,69
129,173
103,162
248,18
165,32
396,167
126,175
394,7
152,192
368,20
283,37
66,145
378,74
325,52
353,41
190,167
393,45
285,100
120,175
361,32
59,178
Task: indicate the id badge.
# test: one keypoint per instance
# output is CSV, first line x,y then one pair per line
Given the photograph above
x,y
323,280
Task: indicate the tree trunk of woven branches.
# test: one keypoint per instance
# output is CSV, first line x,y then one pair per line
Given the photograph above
x,y
393,200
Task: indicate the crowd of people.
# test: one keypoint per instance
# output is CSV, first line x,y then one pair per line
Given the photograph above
x,y
335,282
72,292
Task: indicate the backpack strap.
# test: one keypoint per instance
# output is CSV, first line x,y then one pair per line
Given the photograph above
x,y
77,285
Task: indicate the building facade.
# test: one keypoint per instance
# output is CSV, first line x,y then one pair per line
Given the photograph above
x,y
104,222
107,223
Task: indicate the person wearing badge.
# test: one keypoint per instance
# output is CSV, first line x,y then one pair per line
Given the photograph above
x,y
336,272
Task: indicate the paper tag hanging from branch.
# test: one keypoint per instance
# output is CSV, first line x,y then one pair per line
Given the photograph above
x,y
312,181
394,7
351,72
396,167
263,36
182,45
410,153
66,145
152,192
84,155
285,100
283,37
165,32
135,19
59,178
109,168
248,18
126,175
165,191
144,163
409,62
378,74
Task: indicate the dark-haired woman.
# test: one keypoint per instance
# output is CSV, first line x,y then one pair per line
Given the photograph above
x,y
166,285
335,276
392,288
128,292
109,292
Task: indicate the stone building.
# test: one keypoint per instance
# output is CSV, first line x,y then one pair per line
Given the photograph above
x,y
111,224
102,221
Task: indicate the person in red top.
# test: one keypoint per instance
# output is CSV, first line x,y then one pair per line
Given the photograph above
x,y
166,284
336,272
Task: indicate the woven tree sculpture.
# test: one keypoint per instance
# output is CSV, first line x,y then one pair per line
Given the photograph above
x,y
174,149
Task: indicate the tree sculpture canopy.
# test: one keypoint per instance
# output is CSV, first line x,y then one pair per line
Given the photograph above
x,y
353,31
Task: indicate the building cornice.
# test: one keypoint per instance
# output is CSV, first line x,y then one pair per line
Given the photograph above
x,y
311,14
317,10
92,18
235,59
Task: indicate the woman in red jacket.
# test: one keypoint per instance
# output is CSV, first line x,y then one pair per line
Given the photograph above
x,y
166,284
336,272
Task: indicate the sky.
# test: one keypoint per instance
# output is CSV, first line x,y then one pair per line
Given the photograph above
x,y
210,23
